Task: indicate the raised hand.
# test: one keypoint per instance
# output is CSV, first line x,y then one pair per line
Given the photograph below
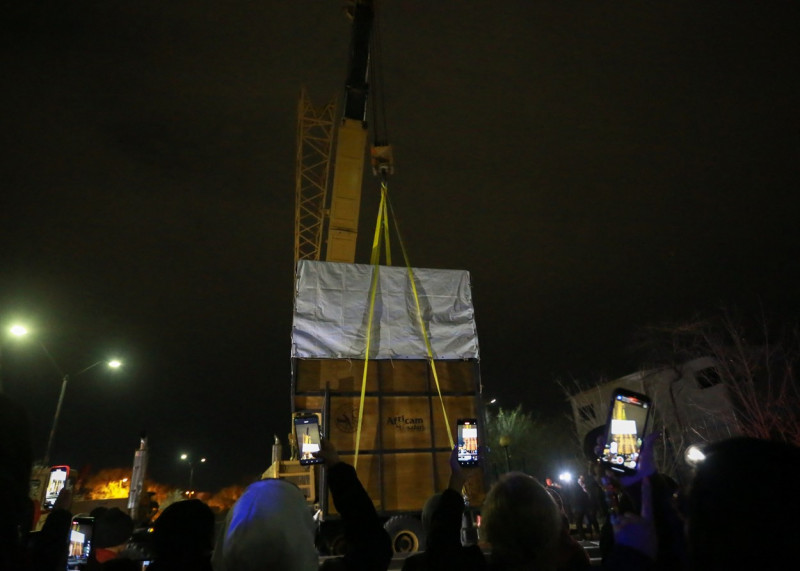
x,y
637,531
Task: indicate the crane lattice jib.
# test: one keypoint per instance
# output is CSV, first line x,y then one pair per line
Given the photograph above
x,y
315,130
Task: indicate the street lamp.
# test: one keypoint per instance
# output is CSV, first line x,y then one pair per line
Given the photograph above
x,y
505,442
185,457
18,330
113,364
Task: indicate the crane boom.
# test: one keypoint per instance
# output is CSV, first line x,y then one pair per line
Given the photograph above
x,y
351,142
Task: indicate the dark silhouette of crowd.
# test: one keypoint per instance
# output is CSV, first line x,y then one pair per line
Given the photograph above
x,y
738,512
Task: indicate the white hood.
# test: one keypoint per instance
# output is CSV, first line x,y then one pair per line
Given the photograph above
x,y
269,528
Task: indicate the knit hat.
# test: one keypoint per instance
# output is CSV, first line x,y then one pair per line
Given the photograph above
x,y
112,527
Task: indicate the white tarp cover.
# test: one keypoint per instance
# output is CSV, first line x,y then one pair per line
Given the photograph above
x,y
331,311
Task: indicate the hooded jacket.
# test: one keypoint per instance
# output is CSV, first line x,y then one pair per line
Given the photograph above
x,y
269,528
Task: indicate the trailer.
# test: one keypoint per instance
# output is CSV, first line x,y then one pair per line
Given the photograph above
x,y
389,396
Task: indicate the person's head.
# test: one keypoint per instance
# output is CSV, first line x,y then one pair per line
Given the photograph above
x,y
522,523
269,527
184,531
744,494
112,529
98,511
431,505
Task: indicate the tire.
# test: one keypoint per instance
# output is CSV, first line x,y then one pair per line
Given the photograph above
x,y
337,545
330,539
406,534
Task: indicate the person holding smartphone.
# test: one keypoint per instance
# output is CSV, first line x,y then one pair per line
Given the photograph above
x,y
112,530
730,520
270,526
646,530
47,548
441,519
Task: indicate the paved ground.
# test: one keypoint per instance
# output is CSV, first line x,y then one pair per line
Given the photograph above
x,y
592,547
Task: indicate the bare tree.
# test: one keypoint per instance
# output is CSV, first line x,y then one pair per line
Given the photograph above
x,y
756,365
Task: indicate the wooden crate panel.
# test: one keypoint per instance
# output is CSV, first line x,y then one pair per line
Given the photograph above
x,y
442,460
400,375
455,376
403,376
369,476
340,375
308,403
344,423
306,374
408,481
405,422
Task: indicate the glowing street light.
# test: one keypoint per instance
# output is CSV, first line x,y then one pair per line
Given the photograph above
x,y
18,330
113,364
185,457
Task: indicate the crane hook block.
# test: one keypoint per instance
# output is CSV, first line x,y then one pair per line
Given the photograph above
x,y
382,160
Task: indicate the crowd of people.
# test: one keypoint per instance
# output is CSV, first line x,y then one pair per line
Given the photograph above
x,y
739,512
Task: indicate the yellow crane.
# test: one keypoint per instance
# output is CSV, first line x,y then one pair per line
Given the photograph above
x,y
317,217
385,404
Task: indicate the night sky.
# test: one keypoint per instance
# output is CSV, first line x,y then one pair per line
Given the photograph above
x,y
596,166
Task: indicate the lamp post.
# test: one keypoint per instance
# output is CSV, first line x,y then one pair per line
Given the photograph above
x,y
114,364
505,442
21,331
187,459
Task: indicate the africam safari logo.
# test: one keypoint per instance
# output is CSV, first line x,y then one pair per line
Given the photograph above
x,y
404,423
346,418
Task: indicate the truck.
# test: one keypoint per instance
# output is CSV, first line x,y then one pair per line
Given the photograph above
x,y
402,402
386,356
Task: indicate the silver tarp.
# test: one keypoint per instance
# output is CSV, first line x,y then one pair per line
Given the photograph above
x,y
331,310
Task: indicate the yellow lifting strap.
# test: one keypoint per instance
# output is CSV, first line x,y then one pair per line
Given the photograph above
x,y
428,347
383,224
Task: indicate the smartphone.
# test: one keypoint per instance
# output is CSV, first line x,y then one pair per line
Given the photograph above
x,y
306,431
628,417
57,481
80,543
468,441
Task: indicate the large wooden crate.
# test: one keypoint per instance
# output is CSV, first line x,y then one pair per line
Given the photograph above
x,y
404,446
